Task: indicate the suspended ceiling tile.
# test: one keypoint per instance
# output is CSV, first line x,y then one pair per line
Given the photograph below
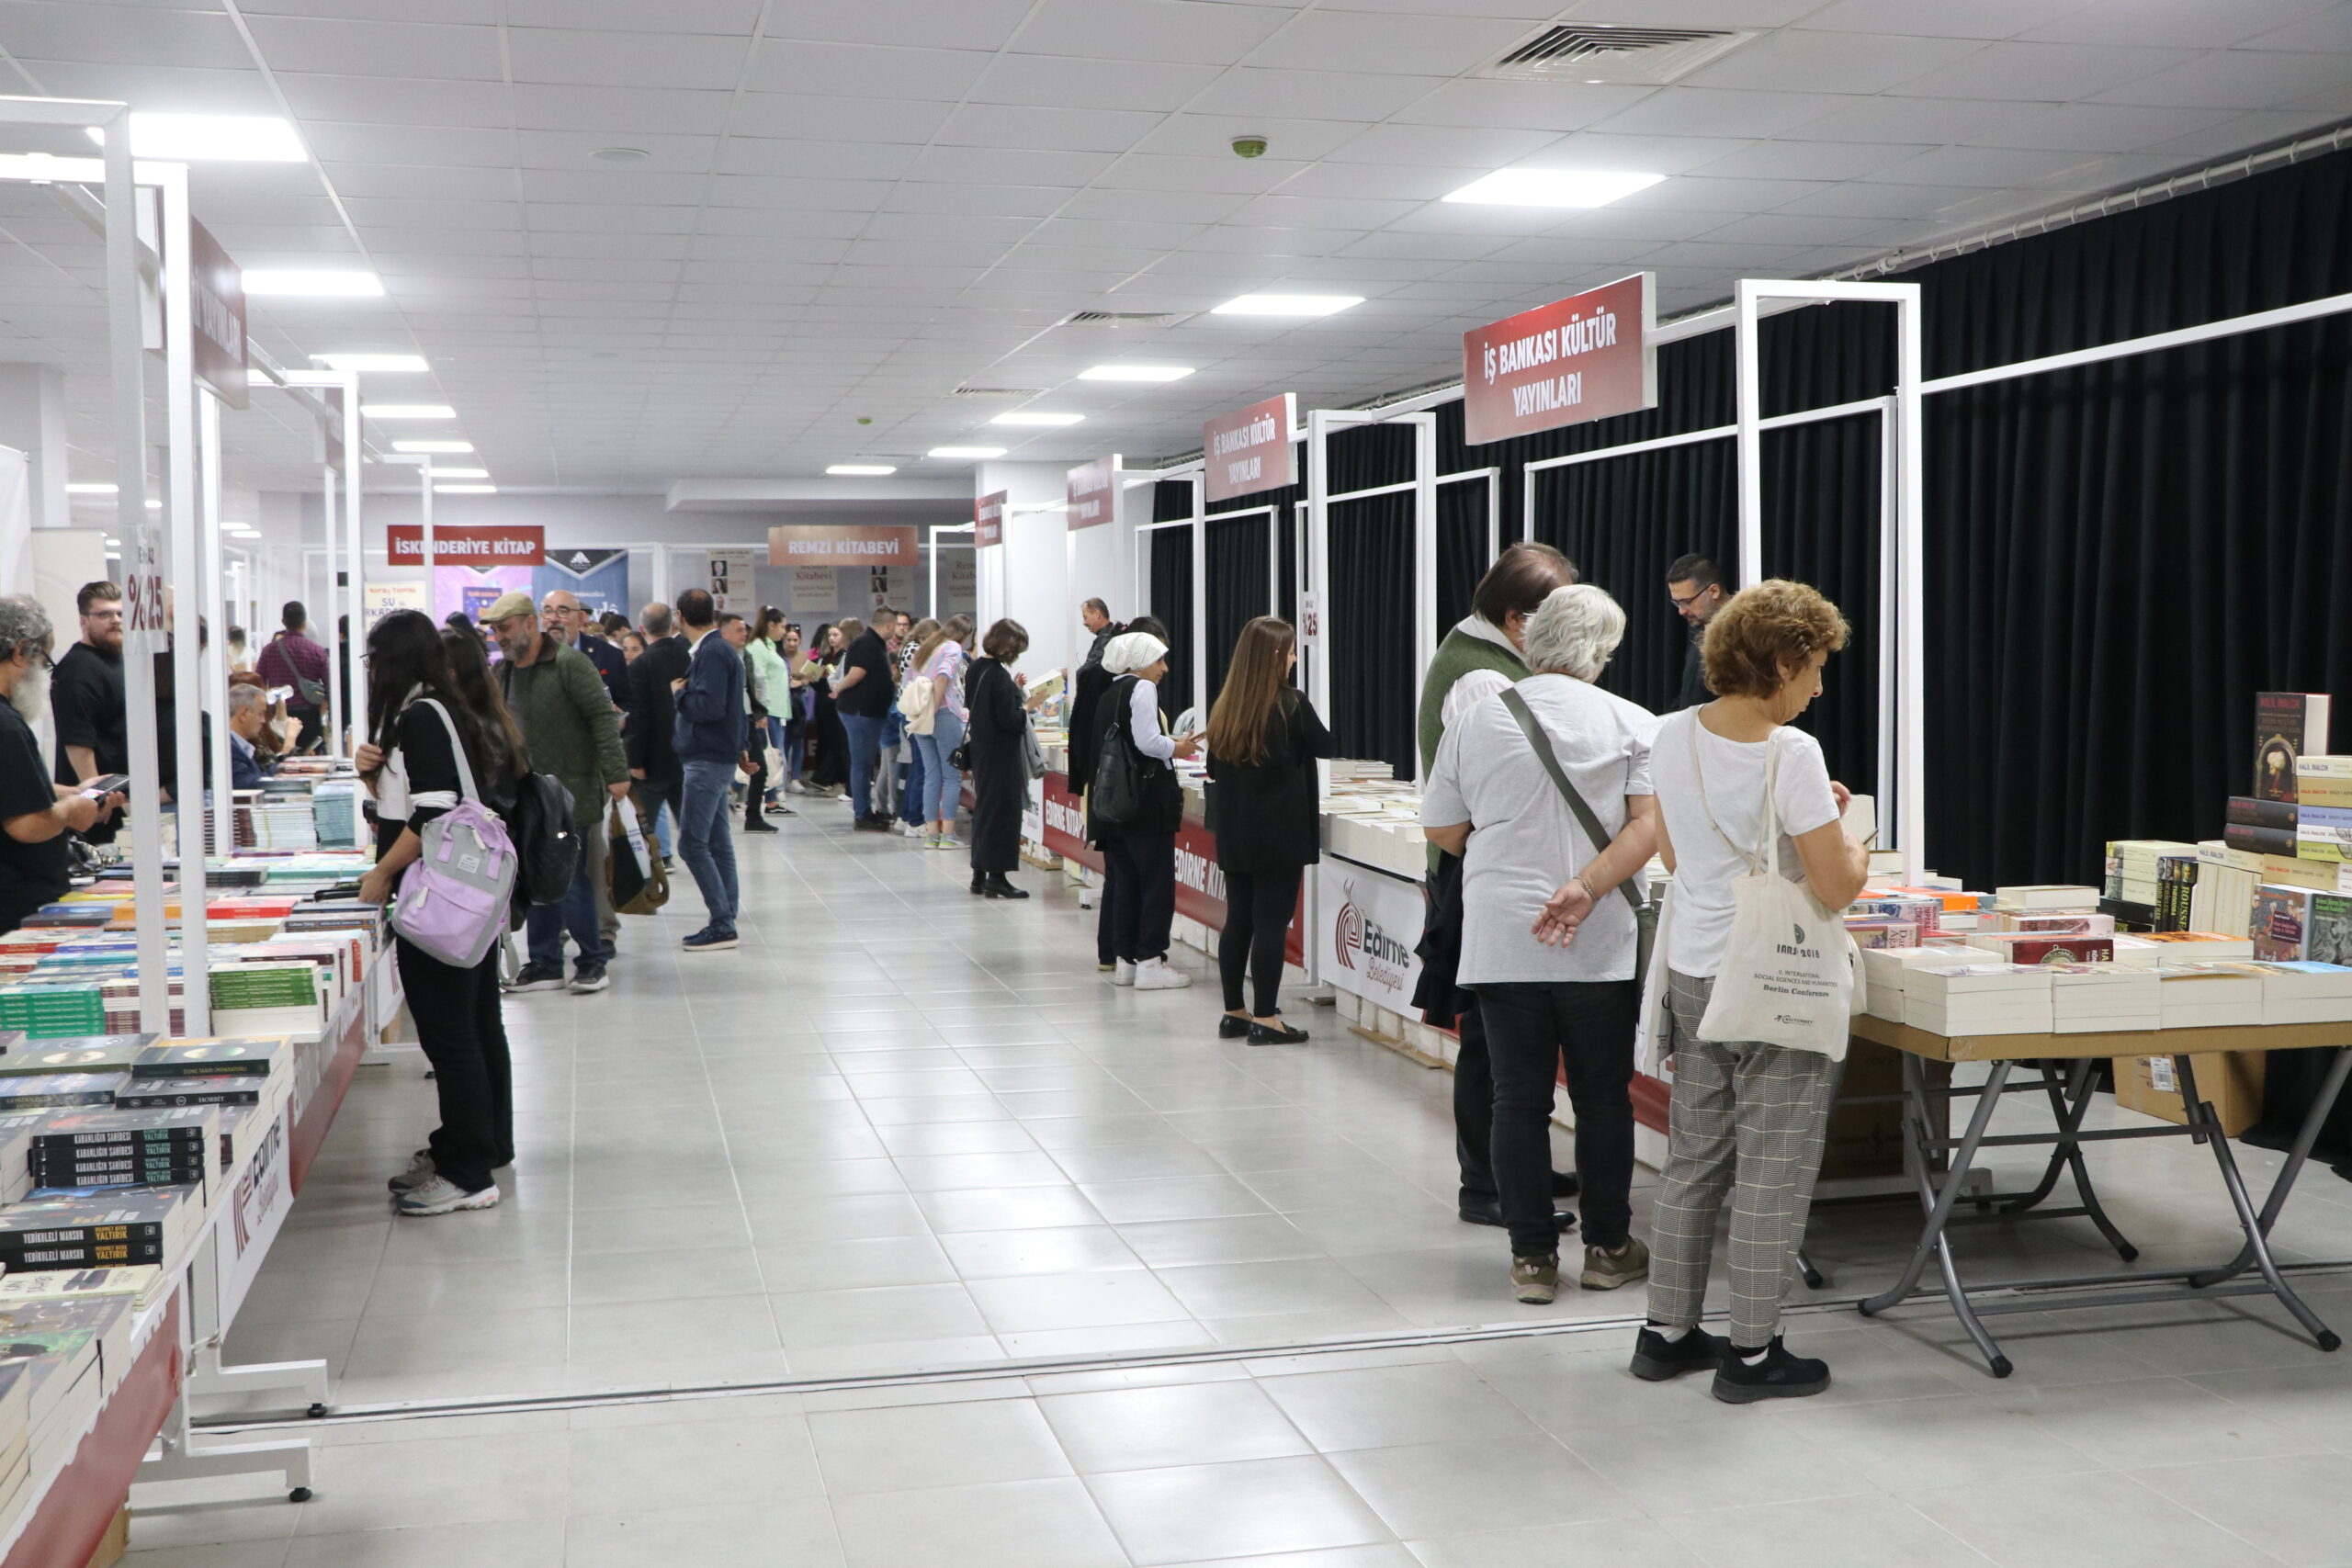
x,y
1857,63
398,212
1992,167
1071,171
730,16
774,250
1139,171
2243,131
1460,147
975,200
401,240
1432,46
172,88
807,118
1148,31
1795,229
795,225
1921,121
1141,205
2237,79
378,48
1311,95
837,70
2047,73
1721,112
640,60
2102,128
1791,160
1026,79
426,183
41,30
1212,136
1939,19
815,160
949,24
2180,24
1861,199
334,102
1381,181
595,218
566,107
1079,131
1282,210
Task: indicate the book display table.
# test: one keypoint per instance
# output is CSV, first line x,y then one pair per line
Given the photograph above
x,y
1939,1164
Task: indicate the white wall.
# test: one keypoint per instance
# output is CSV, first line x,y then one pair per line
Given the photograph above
x,y
1029,578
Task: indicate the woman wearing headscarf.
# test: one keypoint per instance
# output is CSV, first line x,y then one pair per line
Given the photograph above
x,y
1142,842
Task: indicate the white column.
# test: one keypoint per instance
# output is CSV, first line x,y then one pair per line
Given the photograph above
x,y
32,420
1750,439
1424,555
214,661
188,567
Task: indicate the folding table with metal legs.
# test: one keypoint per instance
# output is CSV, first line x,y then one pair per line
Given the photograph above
x,y
1940,1193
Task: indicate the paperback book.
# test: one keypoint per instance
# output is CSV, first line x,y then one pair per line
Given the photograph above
x,y
2286,726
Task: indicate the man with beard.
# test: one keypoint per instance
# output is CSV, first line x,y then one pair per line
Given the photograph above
x,y
86,692
36,812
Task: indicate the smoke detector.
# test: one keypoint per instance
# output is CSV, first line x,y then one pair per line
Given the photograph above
x,y
1603,53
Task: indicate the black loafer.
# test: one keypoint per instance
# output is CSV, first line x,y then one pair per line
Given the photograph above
x,y
1492,1214
1278,1034
1227,1026
1565,1184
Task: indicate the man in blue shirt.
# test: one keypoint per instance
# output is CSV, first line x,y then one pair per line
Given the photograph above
x,y
708,739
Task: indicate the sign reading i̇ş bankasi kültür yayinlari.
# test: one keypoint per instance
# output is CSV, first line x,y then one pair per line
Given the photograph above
x,y
1585,357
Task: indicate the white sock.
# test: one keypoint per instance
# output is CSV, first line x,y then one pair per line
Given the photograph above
x,y
1671,1336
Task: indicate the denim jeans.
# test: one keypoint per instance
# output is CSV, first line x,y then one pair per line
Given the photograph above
x,y
914,800
940,778
544,926
704,839
865,731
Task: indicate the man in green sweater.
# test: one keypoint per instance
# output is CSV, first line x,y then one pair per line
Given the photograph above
x,y
1479,657
572,732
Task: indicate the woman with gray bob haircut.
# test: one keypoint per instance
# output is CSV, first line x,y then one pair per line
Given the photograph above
x,y
1549,941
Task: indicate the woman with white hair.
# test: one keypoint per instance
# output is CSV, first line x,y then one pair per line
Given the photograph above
x,y
1549,941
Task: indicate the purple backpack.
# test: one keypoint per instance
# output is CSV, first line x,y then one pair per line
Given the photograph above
x,y
453,902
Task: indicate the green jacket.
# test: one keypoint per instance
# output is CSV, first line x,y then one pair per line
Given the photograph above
x,y
569,725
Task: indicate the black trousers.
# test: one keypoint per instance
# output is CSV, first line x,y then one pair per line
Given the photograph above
x,y
1106,899
463,1034
755,743
1258,907
1531,1030
1473,1105
1143,894
313,730
1000,788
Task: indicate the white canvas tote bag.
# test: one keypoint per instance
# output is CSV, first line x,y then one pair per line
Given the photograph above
x,y
1789,975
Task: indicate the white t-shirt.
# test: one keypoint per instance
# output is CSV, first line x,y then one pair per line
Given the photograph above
x,y
1705,865
1524,841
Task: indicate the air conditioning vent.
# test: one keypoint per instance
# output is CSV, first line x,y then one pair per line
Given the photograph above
x,y
1011,392
1595,52
1127,318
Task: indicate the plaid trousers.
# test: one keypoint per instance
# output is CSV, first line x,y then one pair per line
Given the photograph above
x,y
1748,1121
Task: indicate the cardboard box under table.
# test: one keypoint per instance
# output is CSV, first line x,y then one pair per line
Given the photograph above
x,y
1940,1163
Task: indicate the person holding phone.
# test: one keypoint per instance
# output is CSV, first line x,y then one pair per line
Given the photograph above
x,y
36,812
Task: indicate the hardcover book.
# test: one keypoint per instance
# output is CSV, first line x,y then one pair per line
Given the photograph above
x,y
210,1058
2250,811
2280,916
47,1090
2286,726
136,1092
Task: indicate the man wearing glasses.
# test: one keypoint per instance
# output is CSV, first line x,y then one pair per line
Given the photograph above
x,y
86,697
1696,585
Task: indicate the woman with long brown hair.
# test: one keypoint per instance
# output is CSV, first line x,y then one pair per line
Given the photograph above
x,y
1264,739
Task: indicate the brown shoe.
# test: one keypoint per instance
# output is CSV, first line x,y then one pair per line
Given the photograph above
x,y
1606,1270
1536,1280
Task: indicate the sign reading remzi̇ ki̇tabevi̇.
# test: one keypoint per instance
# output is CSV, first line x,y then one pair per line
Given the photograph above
x,y
842,545
1370,924
1587,357
1251,449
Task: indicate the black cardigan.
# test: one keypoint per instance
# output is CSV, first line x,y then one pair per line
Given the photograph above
x,y
994,704
1163,792
1264,813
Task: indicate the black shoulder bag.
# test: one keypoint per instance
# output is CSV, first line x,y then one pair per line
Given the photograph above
x,y
1645,914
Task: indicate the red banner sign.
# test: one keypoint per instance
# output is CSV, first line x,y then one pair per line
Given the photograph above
x,y
1093,492
470,544
987,519
216,297
1585,357
843,545
1200,883
1251,449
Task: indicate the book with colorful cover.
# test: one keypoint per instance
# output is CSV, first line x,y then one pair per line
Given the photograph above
x,y
2286,726
230,1090
2280,915
240,1057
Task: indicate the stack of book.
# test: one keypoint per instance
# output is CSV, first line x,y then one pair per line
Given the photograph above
x,y
2102,998
2303,992
335,814
2046,947
2221,899
54,1091
219,1071
1978,998
250,998
1885,971
74,1350
2208,996
2147,950
2136,871
2301,922
129,1225
161,1146
2045,897
140,1284
44,1008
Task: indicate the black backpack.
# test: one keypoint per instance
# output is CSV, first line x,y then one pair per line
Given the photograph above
x,y
546,846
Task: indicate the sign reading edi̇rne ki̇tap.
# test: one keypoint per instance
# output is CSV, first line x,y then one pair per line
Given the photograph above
x,y
1251,449
1587,357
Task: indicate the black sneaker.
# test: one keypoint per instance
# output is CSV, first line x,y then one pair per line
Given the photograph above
x,y
1489,1211
756,826
1775,1374
537,977
1657,1358
1227,1026
589,977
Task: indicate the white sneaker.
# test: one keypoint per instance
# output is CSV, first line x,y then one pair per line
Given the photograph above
x,y
1125,974
1154,975
440,1195
1085,898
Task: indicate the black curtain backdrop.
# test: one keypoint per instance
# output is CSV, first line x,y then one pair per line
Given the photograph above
x,y
1370,617
2117,557
1462,555
1172,603
1238,587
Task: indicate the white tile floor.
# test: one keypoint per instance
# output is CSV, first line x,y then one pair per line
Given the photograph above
x,y
903,1128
